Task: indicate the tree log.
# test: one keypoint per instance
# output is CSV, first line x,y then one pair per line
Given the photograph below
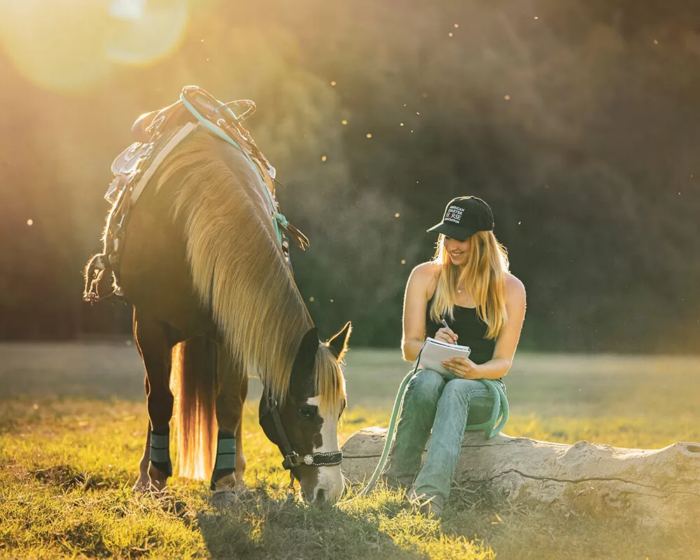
x,y
655,487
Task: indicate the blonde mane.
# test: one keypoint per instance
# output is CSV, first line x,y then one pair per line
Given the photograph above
x,y
238,268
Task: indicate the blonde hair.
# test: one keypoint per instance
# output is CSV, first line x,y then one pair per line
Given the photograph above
x,y
483,278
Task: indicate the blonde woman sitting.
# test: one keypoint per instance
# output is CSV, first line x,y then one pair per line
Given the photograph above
x,y
467,285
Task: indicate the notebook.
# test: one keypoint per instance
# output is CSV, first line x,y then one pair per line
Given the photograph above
x,y
435,352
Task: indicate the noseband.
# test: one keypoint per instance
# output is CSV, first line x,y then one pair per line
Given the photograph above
x,y
292,458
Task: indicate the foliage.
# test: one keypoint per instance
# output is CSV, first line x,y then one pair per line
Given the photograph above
x,y
577,121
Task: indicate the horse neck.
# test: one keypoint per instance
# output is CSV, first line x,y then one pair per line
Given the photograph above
x,y
237,266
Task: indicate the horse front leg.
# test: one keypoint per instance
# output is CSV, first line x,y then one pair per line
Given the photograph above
x,y
155,349
144,482
230,464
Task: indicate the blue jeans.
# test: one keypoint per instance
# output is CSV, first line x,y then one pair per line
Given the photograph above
x,y
445,405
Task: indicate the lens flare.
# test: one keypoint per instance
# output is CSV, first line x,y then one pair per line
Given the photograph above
x,y
145,32
57,45
73,46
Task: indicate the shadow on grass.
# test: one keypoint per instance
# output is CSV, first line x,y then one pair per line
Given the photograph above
x,y
256,525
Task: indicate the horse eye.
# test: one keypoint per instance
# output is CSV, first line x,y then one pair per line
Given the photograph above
x,y
307,412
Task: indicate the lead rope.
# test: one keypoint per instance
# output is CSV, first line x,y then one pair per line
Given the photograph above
x,y
500,409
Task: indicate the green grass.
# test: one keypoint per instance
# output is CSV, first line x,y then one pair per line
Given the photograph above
x,y
67,465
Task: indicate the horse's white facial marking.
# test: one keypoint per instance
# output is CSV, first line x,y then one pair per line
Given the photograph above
x,y
330,479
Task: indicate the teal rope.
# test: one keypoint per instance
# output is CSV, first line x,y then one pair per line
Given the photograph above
x,y
500,410
278,219
491,427
389,434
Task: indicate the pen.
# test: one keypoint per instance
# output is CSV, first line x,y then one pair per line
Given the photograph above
x,y
444,324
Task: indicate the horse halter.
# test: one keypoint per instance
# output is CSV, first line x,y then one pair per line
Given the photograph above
x,y
291,458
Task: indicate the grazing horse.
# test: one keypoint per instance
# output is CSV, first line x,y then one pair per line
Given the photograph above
x,y
214,298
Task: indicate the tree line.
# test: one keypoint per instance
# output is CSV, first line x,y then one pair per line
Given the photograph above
x,y
577,122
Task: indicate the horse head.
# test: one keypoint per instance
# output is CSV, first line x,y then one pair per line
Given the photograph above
x,y
305,425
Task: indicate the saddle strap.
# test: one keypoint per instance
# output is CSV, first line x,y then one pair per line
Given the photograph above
x,y
181,134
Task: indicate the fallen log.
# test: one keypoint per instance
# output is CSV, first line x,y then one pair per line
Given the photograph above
x,y
655,487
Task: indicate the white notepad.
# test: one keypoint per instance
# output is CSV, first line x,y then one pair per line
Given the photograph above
x,y
435,352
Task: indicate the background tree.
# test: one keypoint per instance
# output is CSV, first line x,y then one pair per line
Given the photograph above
x,y
577,121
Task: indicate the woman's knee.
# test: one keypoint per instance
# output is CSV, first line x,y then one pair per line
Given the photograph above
x,y
465,390
426,385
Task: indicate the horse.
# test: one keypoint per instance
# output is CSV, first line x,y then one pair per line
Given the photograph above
x,y
214,299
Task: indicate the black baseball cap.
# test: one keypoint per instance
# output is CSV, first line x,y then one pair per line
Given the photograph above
x,y
464,216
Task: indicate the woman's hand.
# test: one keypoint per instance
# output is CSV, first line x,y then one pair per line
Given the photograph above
x,y
462,367
446,335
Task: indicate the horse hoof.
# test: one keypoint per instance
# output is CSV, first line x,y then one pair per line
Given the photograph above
x,y
223,499
157,479
226,483
142,485
241,489
157,486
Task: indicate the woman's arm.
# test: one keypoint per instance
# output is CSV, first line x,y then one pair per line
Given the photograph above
x,y
420,286
507,341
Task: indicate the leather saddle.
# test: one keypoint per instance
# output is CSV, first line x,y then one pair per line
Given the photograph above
x,y
152,131
155,135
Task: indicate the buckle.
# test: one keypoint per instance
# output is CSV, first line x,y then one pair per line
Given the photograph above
x,y
291,461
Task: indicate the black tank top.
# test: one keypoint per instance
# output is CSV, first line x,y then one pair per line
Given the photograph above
x,y
470,329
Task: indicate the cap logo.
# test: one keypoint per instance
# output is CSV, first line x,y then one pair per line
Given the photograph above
x,y
454,214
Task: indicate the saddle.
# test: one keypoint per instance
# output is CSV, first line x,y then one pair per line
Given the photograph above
x,y
157,134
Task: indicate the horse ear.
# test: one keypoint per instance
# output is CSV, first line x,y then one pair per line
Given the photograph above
x,y
339,342
306,356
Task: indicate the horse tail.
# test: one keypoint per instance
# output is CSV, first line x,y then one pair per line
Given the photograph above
x,y
193,384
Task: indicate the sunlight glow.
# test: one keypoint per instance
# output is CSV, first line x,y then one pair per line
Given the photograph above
x,y
34,36
73,46
127,9
153,35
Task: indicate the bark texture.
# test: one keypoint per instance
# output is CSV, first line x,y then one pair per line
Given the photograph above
x,y
656,487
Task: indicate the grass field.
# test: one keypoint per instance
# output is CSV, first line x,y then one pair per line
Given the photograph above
x,y
72,425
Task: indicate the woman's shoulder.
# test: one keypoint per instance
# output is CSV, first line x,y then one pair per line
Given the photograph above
x,y
425,276
428,270
425,273
514,287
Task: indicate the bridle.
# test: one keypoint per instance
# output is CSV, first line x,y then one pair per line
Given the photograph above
x,y
291,458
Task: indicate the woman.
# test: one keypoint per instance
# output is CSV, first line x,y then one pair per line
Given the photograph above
x,y
468,286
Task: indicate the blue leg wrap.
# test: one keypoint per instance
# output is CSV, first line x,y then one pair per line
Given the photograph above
x,y
225,457
160,452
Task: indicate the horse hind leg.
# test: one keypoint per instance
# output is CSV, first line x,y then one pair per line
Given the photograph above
x,y
155,350
230,464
